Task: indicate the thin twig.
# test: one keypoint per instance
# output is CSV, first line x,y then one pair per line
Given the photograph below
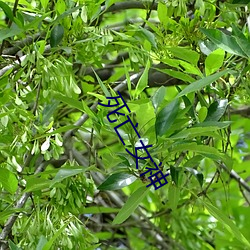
x,y
9,24
148,14
235,176
37,97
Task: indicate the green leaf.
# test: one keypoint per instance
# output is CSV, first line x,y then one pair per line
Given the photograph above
x,y
189,68
227,223
98,210
49,244
204,150
7,10
49,110
13,246
198,175
132,203
194,161
70,101
104,89
8,180
41,243
193,132
202,114
173,196
186,54
9,32
223,41
214,61
56,35
162,12
245,2
244,45
197,85
117,181
158,97
166,117
143,81
9,211
44,3
147,35
34,183
66,172
177,74
216,110
174,172
219,125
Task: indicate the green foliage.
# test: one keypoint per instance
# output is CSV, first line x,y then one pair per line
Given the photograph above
x,y
66,179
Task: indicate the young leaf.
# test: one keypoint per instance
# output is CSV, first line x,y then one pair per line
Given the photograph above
x,y
117,181
49,244
166,117
202,114
34,183
67,172
158,97
132,203
162,12
8,180
186,54
173,196
70,101
104,89
214,61
56,35
143,81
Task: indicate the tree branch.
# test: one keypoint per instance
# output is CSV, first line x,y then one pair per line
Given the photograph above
x,y
236,177
21,44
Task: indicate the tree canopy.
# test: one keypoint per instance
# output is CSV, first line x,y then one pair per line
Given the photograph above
x,y
88,85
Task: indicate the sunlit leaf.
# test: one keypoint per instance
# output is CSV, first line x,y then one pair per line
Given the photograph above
x,y
143,81
8,180
158,97
185,54
214,61
117,181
